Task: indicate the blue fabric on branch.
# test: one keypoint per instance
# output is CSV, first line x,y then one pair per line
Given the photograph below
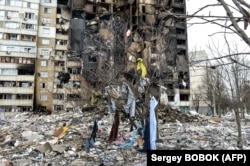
x,y
131,142
91,140
143,131
153,123
88,143
150,128
112,107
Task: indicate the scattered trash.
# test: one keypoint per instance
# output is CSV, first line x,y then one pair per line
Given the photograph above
x,y
39,139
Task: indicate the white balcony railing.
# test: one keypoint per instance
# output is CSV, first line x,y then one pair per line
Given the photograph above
x,y
62,37
73,63
18,43
61,47
18,54
15,90
24,20
20,9
184,91
184,103
19,31
13,102
147,2
29,78
61,90
58,102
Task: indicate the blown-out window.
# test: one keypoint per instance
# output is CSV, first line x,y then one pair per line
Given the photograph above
x,y
58,107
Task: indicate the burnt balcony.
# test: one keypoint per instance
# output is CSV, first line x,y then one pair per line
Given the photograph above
x,y
180,25
181,47
184,91
178,3
181,36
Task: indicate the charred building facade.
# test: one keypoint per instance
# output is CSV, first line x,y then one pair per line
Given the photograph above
x,y
54,54
108,37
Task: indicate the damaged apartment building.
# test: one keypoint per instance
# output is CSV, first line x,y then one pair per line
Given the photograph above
x,y
89,42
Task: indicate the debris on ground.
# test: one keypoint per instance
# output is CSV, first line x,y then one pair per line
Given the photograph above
x,y
60,139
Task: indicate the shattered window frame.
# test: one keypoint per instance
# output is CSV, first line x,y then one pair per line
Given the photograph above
x,y
58,96
58,107
184,97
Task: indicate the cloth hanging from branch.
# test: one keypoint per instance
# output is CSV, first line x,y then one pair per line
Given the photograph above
x,y
95,97
115,127
150,128
141,66
129,107
153,123
91,140
131,142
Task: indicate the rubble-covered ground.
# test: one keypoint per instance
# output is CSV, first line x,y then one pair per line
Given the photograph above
x,y
28,139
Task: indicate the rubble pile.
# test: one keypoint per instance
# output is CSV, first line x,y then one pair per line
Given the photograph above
x,y
28,139
60,139
212,135
169,114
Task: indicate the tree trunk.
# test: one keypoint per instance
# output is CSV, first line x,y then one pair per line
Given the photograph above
x,y
240,140
218,111
197,109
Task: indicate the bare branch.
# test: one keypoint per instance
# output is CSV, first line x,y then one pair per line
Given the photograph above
x,y
220,32
235,61
221,57
244,3
204,7
235,25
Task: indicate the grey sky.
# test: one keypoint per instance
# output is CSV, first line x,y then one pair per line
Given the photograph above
x,y
198,35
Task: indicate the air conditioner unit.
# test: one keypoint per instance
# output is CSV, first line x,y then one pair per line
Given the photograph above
x,y
8,52
8,17
25,19
44,23
41,55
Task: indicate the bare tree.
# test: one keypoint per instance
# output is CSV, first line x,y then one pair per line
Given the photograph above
x,y
232,66
209,85
234,74
245,98
214,89
197,98
219,91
